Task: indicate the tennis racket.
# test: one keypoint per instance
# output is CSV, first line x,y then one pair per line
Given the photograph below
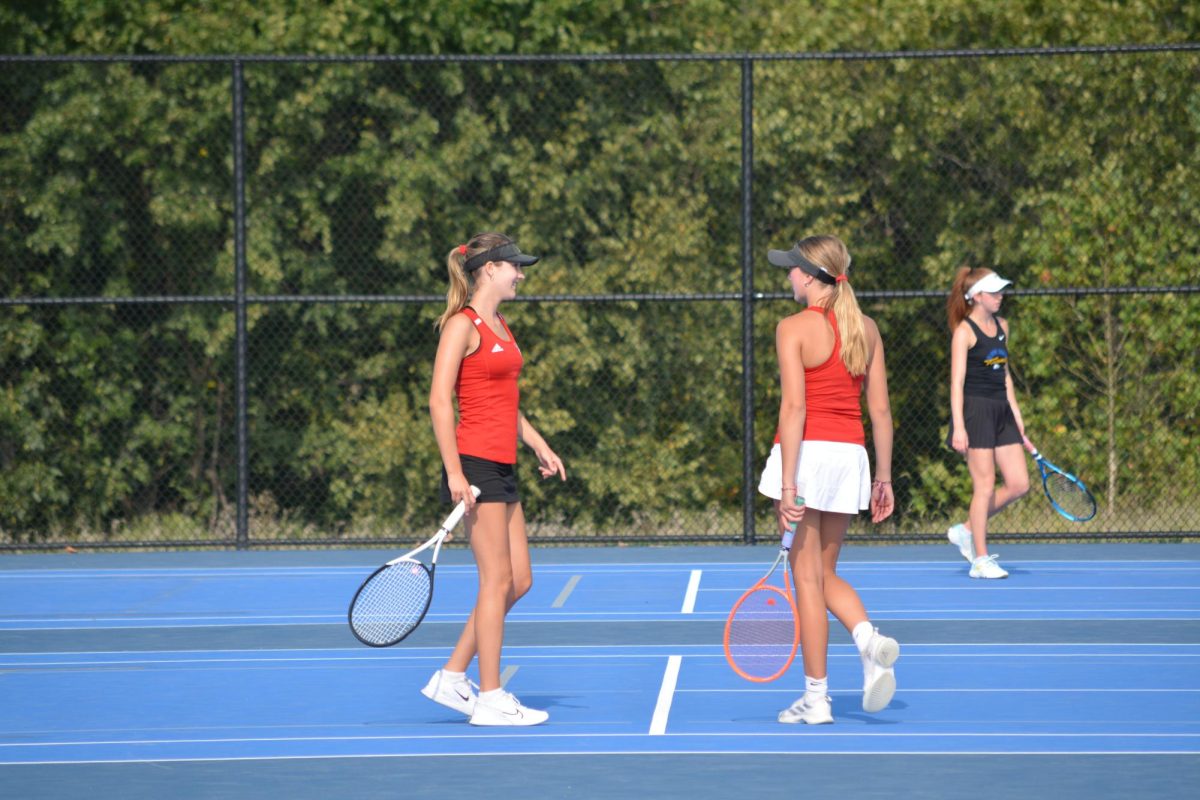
x,y
763,629
1066,493
391,603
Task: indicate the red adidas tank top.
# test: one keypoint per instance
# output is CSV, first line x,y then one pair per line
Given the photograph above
x,y
833,410
488,397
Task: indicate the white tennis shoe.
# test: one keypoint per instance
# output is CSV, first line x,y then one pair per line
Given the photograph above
x,y
879,679
986,567
811,710
505,710
961,538
456,694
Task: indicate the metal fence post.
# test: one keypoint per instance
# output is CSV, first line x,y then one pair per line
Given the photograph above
x,y
239,257
748,482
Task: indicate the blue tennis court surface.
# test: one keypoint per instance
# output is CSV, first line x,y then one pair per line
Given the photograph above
x,y
234,675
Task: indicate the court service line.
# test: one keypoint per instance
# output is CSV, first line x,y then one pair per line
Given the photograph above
x,y
693,588
572,582
585,618
547,735
666,693
507,675
715,654
666,751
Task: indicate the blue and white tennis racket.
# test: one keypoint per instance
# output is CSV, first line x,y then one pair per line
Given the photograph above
x,y
1066,493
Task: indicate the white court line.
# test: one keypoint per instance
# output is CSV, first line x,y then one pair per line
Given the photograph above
x,y
689,597
1141,565
246,618
666,693
706,652
1022,587
1087,648
507,675
856,692
572,582
1015,615
671,751
879,735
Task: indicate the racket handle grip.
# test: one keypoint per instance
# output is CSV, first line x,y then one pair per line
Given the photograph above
x,y
458,512
791,529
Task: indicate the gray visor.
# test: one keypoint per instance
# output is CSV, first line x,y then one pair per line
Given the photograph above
x,y
505,252
793,258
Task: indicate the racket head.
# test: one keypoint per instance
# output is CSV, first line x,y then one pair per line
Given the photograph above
x,y
762,631
391,603
1068,495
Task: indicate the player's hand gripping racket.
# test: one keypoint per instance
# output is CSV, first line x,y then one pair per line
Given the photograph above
x,y
392,602
1066,493
763,629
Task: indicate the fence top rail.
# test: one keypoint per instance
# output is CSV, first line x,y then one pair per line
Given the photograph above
x,y
881,55
268,299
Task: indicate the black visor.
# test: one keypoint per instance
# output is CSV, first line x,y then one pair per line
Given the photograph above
x,y
505,252
793,258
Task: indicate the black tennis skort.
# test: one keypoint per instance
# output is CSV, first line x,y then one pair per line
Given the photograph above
x,y
989,422
497,482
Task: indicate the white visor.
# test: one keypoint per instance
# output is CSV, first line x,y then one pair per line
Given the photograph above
x,y
990,283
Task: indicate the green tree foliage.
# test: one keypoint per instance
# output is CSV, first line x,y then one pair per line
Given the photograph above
x,y
116,180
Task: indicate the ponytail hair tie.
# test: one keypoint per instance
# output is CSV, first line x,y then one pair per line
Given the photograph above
x,y
462,249
841,278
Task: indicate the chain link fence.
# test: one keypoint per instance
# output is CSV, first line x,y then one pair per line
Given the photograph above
x,y
220,277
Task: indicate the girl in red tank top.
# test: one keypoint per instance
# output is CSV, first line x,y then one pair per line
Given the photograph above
x,y
488,397
819,472
478,363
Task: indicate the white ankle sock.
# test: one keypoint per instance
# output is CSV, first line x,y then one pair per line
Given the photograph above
x,y
862,634
817,687
453,676
490,695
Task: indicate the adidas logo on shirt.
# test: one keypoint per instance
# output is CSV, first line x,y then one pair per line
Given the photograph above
x,y
496,348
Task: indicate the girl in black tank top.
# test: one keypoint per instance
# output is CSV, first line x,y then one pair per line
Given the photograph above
x,y
987,363
985,420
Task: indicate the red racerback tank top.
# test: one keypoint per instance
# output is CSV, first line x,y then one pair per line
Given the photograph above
x,y
833,410
488,397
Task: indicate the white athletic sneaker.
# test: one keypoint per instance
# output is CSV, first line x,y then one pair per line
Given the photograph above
x,y
986,567
879,679
506,710
458,695
961,538
809,710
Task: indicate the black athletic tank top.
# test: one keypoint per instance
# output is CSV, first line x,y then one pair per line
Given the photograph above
x,y
987,363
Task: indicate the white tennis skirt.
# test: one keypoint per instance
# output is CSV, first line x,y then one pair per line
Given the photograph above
x,y
831,476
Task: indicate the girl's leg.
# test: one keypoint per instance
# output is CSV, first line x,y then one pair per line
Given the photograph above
x,y
808,574
840,598
812,707
981,465
878,652
484,631
518,549
1015,471
522,579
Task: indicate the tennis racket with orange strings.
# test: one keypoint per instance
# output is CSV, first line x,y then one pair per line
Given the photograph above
x,y
763,629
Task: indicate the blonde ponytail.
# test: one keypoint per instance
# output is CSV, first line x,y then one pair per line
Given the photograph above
x,y
462,283
459,291
830,253
850,327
